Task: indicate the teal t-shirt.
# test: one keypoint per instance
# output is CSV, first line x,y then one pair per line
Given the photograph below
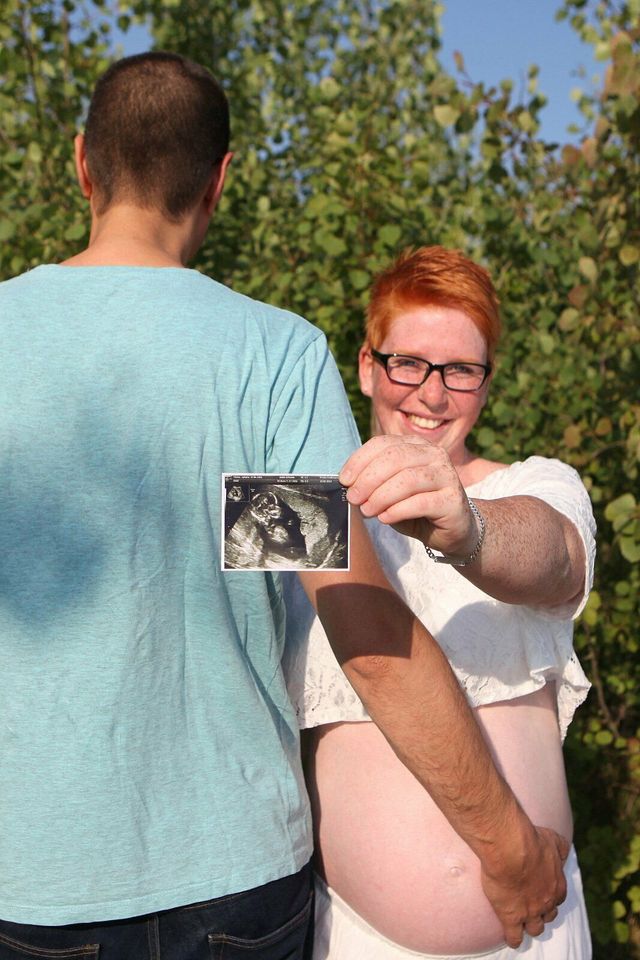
x,y
148,748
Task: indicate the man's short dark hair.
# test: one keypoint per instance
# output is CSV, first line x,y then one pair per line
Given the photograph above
x,y
156,128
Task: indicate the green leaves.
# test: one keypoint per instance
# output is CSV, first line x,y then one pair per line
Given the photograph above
x,y
445,114
389,235
620,509
75,232
629,255
588,268
331,244
7,230
359,279
624,516
52,54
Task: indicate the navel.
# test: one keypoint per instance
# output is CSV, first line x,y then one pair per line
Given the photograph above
x,y
455,871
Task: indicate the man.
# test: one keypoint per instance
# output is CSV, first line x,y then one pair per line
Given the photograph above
x,y
151,792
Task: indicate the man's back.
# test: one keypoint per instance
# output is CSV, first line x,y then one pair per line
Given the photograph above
x,y
143,685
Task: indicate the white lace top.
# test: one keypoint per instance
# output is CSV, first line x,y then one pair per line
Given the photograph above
x,y
497,650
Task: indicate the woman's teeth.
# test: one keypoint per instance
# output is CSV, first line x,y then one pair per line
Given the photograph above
x,y
423,422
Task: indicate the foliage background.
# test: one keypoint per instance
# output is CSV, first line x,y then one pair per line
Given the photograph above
x,y
352,142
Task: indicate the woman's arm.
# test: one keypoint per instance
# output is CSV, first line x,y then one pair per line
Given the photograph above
x,y
531,554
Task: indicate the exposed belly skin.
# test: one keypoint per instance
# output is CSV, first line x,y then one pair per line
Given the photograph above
x,y
387,850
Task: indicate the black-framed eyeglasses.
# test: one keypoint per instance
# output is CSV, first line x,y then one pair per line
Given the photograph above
x,y
413,371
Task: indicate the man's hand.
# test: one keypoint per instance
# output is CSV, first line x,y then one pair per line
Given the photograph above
x,y
526,895
411,484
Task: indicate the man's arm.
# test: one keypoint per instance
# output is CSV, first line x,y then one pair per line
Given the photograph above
x,y
531,554
411,693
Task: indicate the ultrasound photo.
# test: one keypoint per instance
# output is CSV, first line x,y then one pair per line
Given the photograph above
x,y
284,522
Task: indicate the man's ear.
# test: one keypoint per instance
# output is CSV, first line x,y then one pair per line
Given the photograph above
x,y
82,170
365,370
216,183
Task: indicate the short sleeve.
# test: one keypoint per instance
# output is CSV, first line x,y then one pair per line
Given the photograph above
x,y
311,427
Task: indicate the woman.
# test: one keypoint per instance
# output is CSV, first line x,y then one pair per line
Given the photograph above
x,y
497,579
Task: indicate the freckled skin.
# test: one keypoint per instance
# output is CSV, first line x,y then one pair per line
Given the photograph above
x,y
441,335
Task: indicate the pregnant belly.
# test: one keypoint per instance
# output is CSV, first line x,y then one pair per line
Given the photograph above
x,y
387,850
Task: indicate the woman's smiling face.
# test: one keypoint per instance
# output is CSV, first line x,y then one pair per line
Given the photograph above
x,y
445,417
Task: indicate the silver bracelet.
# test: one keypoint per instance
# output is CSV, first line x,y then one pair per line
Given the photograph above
x,y
441,558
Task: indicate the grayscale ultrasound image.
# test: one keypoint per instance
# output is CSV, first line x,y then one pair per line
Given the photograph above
x,y
284,522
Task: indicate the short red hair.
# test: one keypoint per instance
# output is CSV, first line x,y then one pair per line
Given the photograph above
x,y
433,276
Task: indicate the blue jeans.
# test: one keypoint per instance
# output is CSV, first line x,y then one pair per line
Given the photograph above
x,y
272,922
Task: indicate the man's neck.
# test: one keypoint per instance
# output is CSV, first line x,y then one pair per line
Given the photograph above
x,y
127,235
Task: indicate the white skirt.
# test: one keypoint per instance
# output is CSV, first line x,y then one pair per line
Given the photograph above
x,y
342,934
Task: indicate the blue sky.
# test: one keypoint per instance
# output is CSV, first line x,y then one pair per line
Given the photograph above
x,y
501,38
